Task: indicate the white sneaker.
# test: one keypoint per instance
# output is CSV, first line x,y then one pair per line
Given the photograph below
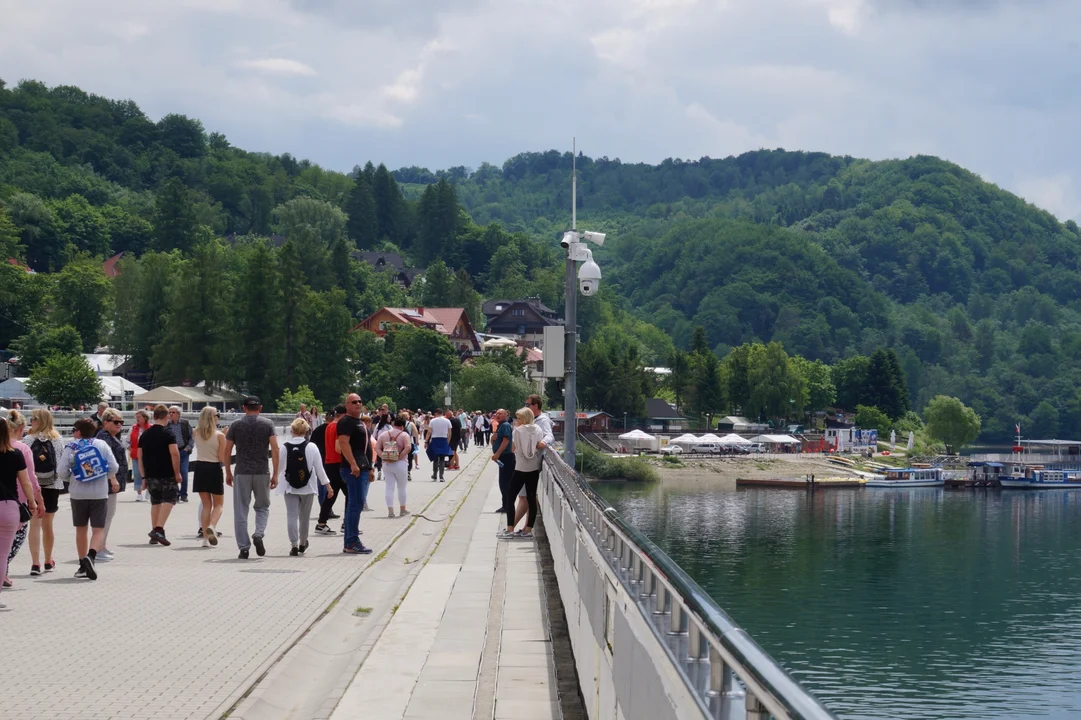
x,y
139,497
206,543
105,556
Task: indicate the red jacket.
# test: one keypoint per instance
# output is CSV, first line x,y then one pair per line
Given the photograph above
x,y
135,441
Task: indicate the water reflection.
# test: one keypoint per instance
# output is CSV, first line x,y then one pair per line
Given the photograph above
x,y
919,603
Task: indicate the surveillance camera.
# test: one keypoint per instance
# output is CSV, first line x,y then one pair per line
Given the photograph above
x,y
569,238
589,278
596,238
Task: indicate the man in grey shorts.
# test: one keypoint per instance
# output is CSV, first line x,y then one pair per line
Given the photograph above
x,y
89,491
254,438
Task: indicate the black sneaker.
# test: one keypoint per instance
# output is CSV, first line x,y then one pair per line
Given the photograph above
x,y
199,535
153,540
159,535
303,547
334,516
88,565
81,572
294,552
260,549
35,570
324,530
243,554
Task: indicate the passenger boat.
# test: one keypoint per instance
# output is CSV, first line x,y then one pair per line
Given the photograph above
x,y
1042,479
908,477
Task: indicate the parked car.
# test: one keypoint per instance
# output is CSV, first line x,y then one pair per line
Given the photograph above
x,y
671,450
707,448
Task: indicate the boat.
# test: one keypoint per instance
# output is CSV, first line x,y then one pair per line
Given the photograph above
x,y
1039,478
908,477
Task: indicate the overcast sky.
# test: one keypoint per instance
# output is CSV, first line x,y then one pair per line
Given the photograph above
x,y
989,84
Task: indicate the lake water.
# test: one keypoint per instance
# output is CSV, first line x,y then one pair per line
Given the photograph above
x,y
920,603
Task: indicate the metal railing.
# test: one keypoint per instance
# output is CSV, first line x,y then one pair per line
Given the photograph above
x,y
726,671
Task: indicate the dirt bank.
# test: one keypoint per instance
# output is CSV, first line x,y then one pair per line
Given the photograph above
x,y
725,471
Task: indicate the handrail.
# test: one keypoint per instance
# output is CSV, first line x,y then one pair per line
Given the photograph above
x,y
708,648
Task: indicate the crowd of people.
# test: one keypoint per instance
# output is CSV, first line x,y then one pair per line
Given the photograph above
x,y
323,458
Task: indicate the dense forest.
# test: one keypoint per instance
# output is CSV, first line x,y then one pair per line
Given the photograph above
x,y
974,291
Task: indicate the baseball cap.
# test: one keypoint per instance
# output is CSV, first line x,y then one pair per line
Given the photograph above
x,y
252,401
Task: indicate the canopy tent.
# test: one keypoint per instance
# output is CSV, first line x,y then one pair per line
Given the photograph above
x,y
499,342
709,438
731,439
684,441
775,440
639,440
13,390
188,398
118,390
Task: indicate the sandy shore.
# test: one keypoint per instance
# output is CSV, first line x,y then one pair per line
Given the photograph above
x,y
725,471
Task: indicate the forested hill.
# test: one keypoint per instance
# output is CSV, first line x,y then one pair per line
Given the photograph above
x,y
976,290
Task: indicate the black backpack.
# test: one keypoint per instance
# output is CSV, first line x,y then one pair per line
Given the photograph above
x,y
44,457
296,464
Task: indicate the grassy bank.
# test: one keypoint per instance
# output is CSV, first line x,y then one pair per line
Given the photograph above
x,y
599,466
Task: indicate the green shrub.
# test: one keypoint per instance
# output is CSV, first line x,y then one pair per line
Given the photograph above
x,y
598,466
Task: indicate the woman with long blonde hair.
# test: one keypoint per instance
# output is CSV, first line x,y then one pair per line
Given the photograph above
x,y
14,486
44,442
209,479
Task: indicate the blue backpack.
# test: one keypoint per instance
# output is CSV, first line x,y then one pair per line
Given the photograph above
x,y
88,463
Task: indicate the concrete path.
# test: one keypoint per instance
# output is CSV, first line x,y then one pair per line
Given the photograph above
x,y
444,620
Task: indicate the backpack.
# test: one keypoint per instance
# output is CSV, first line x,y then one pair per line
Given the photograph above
x,y
88,462
44,457
296,464
390,448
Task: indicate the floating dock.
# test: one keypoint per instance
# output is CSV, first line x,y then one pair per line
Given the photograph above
x,y
824,483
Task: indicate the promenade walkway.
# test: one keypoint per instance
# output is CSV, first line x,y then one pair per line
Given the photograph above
x,y
442,621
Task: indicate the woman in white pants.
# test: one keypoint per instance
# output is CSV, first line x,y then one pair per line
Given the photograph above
x,y
394,445
300,467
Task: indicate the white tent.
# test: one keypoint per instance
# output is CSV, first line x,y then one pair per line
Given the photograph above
x,y
732,439
709,438
685,441
499,343
188,398
639,440
776,440
115,388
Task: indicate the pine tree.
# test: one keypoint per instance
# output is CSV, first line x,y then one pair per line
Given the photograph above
x,y
699,342
196,342
438,283
885,386
293,293
363,225
680,379
174,219
256,309
389,206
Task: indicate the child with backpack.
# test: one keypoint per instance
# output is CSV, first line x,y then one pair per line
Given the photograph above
x,y
300,471
90,464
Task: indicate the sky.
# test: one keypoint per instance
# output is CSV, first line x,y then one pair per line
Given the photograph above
x,y
989,84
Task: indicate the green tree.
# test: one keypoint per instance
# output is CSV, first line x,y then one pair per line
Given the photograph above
x,y
82,298
680,379
952,423
707,383
290,400
1043,422
174,217
257,330
777,389
143,291
420,361
505,357
21,301
10,247
488,386
326,222
34,219
871,418
699,342
65,381
81,226
363,225
438,283
850,378
390,211
44,341
439,221
196,344
818,381
326,324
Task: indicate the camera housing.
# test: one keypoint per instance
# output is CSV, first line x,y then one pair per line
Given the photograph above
x,y
569,238
597,238
589,277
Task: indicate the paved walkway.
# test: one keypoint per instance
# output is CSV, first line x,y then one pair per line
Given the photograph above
x,y
415,630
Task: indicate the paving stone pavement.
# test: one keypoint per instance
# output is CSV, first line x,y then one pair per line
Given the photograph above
x,y
177,632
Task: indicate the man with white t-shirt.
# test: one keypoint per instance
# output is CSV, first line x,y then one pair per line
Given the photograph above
x,y
438,443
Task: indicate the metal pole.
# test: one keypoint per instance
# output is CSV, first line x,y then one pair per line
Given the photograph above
x,y
570,320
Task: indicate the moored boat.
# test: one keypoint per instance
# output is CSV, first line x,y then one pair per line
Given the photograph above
x,y
908,477
1042,479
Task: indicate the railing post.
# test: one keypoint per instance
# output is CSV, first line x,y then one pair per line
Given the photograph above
x,y
723,689
677,624
755,709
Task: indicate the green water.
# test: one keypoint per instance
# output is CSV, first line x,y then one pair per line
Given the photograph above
x,y
920,603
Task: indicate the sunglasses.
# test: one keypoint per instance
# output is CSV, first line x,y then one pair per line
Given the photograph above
x,y
117,422
352,402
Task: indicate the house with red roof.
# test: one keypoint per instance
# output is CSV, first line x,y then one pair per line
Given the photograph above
x,y
452,323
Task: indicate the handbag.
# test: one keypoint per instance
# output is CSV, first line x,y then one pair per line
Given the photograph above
x,y
24,513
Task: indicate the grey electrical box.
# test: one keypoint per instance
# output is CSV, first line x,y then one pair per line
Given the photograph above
x,y
555,364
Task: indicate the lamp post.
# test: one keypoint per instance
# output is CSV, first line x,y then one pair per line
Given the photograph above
x,y
588,279
624,422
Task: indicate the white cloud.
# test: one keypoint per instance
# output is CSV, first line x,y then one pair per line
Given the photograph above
x,y
1056,193
279,66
